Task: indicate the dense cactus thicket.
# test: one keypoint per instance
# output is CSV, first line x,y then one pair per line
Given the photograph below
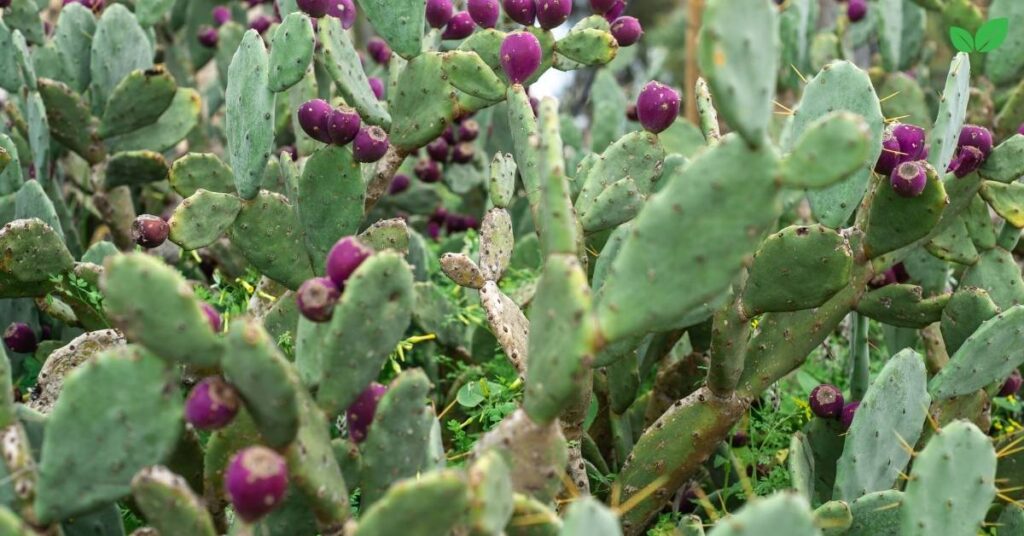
x,y
516,267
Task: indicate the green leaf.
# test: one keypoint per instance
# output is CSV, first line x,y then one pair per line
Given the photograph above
x,y
473,393
991,34
963,41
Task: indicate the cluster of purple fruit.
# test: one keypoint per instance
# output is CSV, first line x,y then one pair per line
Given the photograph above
x,y
341,126
449,222
827,402
344,10
317,297
904,152
453,146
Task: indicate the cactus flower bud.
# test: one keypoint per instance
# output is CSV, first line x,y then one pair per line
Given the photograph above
x,y
602,6
427,171
261,24
437,150
212,404
314,8
1012,384
343,125
379,50
909,179
343,10
485,13
846,416
826,401
256,480
207,36
459,27
627,31
521,11
370,145
975,136
345,256
213,317
967,160
856,10
19,338
616,11
469,130
463,153
520,56
399,184
316,298
657,107
553,13
439,12
313,118
149,231
911,140
221,15
377,86
359,415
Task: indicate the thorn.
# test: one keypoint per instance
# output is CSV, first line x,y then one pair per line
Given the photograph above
x,y
784,107
1010,453
931,421
1010,500
1010,445
639,496
906,446
798,73
570,486
883,99
897,118
888,507
702,498
531,519
1010,490
447,409
904,476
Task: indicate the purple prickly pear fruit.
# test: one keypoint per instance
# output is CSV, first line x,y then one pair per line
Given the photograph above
x,y
439,12
343,125
456,223
345,256
911,140
433,230
208,37
846,416
469,130
891,154
616,11
399,184
826,401
657,107
522,11
427,171
45,332
314,8
1012,384
485,13
520,56
256,480
370,145
856,10
211,404
149,231
359,415
316,298
740,439
19,338
463,153
379,50
909,179
449,135
459,27
967,160
631,113
899,273
344,10
627,31
221,15
437,150
601,6
975,136
553,13
213,317
260,24
1020,129
688,500
377,86
313,118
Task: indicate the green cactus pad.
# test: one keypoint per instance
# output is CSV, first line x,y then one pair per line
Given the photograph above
x,y
462,270
523,127
502,184
616,205
561,342
904,98
877,514
330,200
952,111
368,323
33,252
586,516
10,73
124,430
1011,521
72,42
902,305
895,221
10,177
423,103
150,12
399,22
638,156
174,125
833,147
966,311
800,462
315,469
741,64
987,356
490,486
890,416
13,525
134,168
396,444
779,510
119,47
797,268
979,223
168,503
264,379
1004,63
833,518
557,223
1007,200
468,73
154,305
997,273
38,130
959,453
137,101
205,171
432,504
70,121
291,51
387,234
250,114
954,244
268,234
32,202
496,243
651,284
229,36
834,205
588,46
1006,162
342,62
607,103
535,454
901,28
435,313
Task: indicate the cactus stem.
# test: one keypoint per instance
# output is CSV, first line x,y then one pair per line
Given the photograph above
x,y
382,175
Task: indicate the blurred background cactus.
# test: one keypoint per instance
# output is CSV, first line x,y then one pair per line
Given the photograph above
x,y
511,267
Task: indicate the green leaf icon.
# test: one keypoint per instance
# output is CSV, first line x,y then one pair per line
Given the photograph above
x,y
991,34
963,41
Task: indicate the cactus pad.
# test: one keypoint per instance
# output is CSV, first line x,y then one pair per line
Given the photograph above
x,y
267,232
138,100
202,218
291,51
250,114
329,201
201,170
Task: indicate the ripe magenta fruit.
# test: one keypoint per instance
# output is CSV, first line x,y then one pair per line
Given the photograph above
x,y
909,179
345,256
359,415
256,480
313,117
370,145
522,11
553,13
826,401
316,298
149,231
343,125
19,338
627,31
520,56
212,404
439,12
459,27
484,13
657,107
